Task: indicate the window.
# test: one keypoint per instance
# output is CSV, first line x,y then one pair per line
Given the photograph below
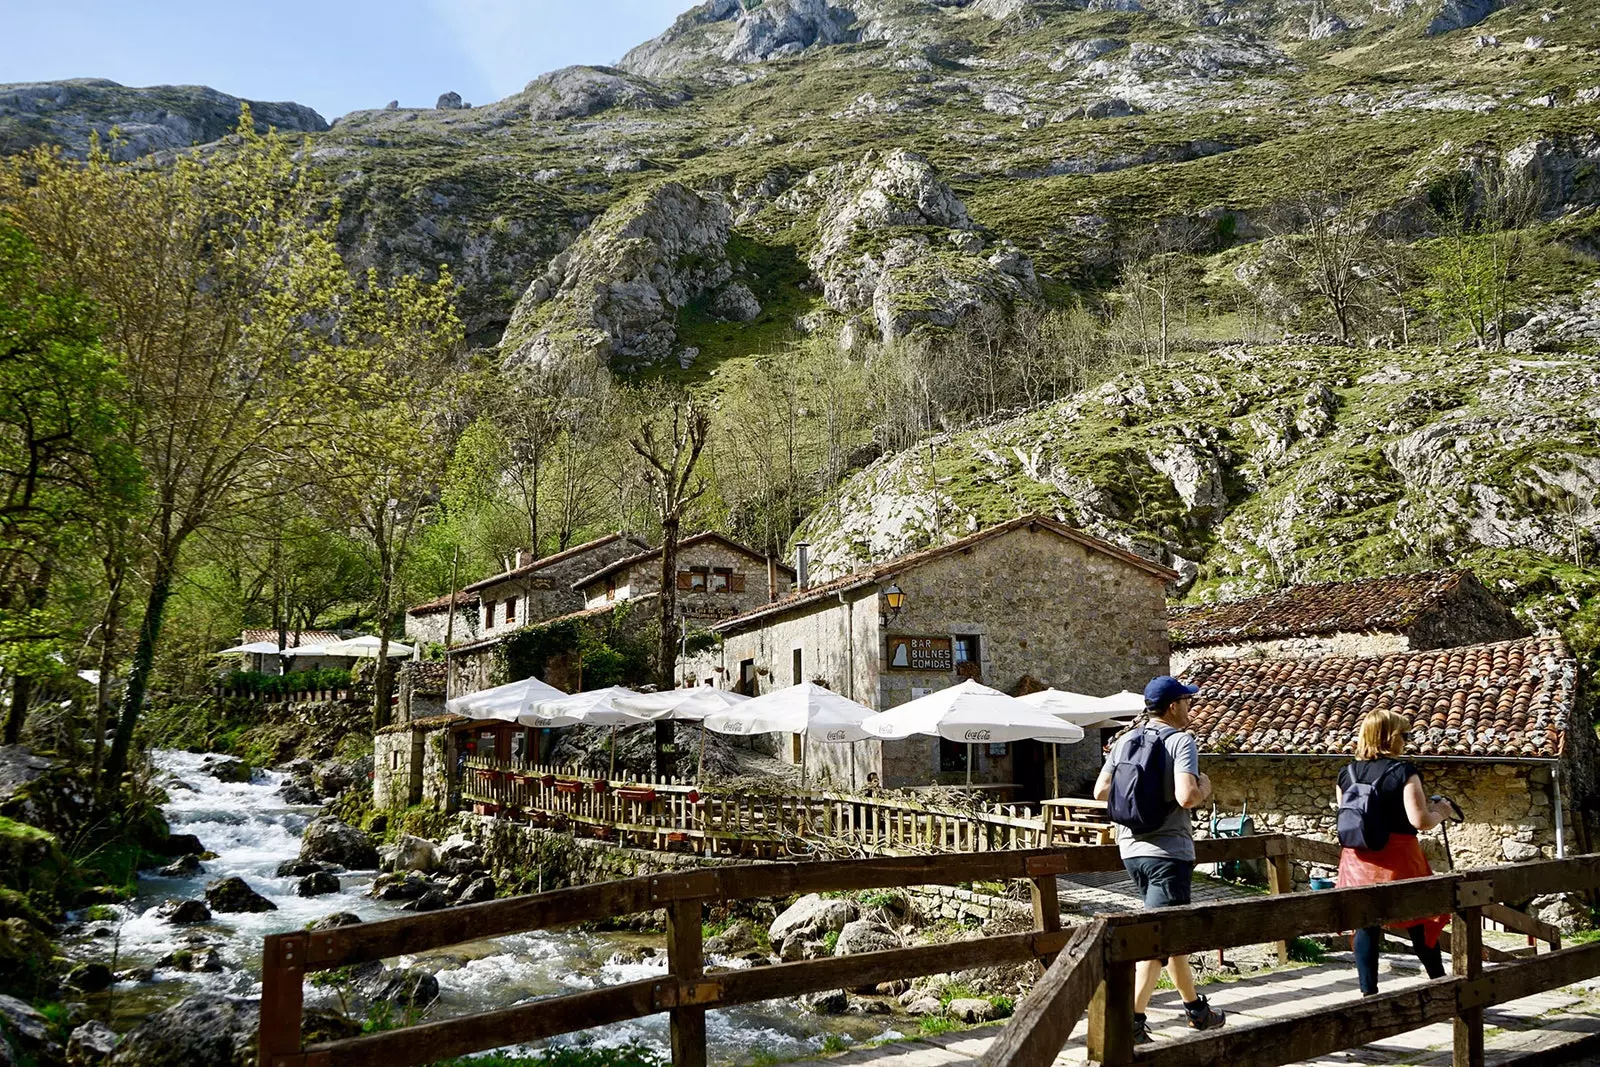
x,y
952,755
797,671
697,579
519,745
721,580
966,648
511,610
394,760
488,614
611,587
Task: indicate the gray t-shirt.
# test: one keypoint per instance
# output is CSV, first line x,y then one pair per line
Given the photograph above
x,y
1175,838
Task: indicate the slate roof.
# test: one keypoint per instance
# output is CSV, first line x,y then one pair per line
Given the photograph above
x,y
546,561
427,676
1510,699
687,542
887,569
464,601
293,639
1389,604
571,616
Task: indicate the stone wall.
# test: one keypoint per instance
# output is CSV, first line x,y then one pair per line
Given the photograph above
x,y
747,588
1317,646
957,905
429,628
1507,804
438,768
547,592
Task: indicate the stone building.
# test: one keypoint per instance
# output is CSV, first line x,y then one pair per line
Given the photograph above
x,y
419,690
1369,617
271,664
1498,727
429,624
716,578
413,763
534,590
1029,597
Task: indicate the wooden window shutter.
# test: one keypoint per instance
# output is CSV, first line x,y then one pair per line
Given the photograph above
x,y
685,580
736,583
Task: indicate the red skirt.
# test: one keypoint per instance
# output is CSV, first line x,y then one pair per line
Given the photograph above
x,y
1401,858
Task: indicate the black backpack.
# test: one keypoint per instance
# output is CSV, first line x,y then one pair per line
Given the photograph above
x,y
1362,824
1139,779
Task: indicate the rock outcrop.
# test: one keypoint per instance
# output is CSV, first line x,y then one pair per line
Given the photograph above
x,y
578,92
203,1029
328,840
614,295
234,894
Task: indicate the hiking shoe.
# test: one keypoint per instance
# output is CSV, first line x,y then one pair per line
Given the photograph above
x,y
1202,1016
1141,1031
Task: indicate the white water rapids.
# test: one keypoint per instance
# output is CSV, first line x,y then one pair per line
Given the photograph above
x,y
252,830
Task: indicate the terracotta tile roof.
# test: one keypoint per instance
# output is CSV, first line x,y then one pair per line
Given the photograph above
x,y
687,542
881,571
586,613
464,600
546,561
1391,603
1512,699
293,640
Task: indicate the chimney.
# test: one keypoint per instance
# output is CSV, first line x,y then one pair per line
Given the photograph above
x,y
772,578
802,565
524,557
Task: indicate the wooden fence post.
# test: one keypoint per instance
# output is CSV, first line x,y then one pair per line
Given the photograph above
x,y
1111,1017
686,963
1046,909
1466,958
283,969
1280,879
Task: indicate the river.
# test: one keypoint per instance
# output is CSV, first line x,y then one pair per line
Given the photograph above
x,y
252,831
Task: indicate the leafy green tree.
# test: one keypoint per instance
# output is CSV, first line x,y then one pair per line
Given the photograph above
x,y
1474,268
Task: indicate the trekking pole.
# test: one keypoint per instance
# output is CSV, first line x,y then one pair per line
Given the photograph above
x,y
1444,826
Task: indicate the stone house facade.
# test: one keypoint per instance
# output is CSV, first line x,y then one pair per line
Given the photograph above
x,y
412,763
1369,617
1029,597
716,578
538,589
419,690
429,624
1498,727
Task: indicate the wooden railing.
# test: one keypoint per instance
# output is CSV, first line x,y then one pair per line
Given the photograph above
x,y
686,992
670,813
1095,972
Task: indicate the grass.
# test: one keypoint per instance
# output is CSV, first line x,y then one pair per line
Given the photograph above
x,y
631,1055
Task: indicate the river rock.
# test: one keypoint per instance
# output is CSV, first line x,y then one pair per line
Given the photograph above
x,y
459,854
181,845
205,1030
924,1005
864,935
299,767
317,884
301,868
811,918
137,974
868,1006
407,886
972,1010
234,894
336,920
90,977
414,854
185,867
90,1044
1567,912
201,959
335,776
182,912
828,1002
480,890
226,769
408,987
332,841
432,900
737,938
27,1030
299,792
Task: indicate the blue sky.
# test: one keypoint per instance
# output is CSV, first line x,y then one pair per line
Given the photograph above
x,y
335,56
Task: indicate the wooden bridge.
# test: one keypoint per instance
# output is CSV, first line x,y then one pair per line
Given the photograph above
x,y
670,813
1089,967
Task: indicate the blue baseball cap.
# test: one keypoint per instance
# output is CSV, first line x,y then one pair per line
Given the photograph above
x,y
1165,689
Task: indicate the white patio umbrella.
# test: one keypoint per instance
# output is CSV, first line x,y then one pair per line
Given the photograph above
x,y
691,704
507,703
306,650
597,707
1080,709
971,713
807,708
254,648
364,648
1123,704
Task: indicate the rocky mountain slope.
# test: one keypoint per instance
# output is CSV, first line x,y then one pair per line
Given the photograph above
x,y
154,119
884,167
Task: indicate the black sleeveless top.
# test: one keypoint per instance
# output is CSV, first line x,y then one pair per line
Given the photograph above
x,y
1390,776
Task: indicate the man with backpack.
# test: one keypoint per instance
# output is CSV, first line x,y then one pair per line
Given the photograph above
x,y
1150,782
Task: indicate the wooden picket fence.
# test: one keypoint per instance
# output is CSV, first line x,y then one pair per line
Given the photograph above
x,y
670,813
1090,967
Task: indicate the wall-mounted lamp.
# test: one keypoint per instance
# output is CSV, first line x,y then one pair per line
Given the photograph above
x,y
894,598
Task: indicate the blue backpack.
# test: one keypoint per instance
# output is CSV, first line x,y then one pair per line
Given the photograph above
x,y
1361,820
1139,780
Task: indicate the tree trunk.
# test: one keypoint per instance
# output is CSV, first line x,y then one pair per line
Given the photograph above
x,y
144,658
667,663
108,662
17,713
383,677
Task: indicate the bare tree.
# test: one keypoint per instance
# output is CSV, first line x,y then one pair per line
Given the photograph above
x,y
1159,279
669,440
1474,273
1325,243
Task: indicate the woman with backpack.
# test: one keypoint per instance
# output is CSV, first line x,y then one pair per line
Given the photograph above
x,y
1382,806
